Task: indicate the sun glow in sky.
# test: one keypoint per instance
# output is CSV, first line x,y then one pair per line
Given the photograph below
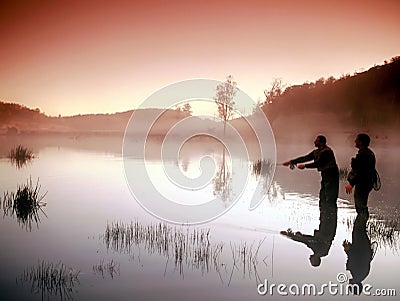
x,y
71,57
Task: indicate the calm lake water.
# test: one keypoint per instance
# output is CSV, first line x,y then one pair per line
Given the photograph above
x,y
95,242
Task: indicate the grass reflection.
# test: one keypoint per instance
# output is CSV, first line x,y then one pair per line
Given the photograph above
x,y
189,248
382,230
107,267
49,279
20,156
25,204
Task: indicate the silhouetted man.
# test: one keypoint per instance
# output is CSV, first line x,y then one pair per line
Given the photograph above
x,y
325,162
320,243
359,252
362,174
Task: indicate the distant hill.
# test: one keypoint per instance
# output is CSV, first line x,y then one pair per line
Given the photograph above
x,y
366,99
18,119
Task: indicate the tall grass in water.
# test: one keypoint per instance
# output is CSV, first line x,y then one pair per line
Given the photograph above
x,y
20,155
107,267
245,257
185,246
343,173
50,279
190,248
385,232
382,230
25,204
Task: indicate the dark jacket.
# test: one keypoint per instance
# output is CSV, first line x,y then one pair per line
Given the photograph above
x,y
324,160
363,168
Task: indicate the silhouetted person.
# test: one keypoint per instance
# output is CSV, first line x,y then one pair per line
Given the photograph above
x,y
359,252
325,162
362,174
320,243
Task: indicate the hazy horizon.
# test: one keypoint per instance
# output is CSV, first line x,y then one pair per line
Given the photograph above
x,y
102,57
199,107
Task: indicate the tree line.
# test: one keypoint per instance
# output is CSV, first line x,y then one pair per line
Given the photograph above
x,y
365,98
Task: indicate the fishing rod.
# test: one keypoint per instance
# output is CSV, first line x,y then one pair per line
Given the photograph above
x,y
291,165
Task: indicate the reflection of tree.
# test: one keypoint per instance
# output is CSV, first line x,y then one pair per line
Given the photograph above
x,y
185,165
50,279
274,193
222,181
263,169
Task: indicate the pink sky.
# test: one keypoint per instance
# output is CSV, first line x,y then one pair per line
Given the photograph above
x,y
71,57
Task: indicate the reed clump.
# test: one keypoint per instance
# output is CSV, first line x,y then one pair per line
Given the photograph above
x,y
25,204
20,155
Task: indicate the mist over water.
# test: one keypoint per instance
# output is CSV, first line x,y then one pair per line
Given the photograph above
x,y
93,225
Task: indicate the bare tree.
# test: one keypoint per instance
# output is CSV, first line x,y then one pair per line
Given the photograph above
x,y
224,99
277,88
187,108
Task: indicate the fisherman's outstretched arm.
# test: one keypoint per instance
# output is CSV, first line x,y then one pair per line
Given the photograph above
x,y
322,160
303,159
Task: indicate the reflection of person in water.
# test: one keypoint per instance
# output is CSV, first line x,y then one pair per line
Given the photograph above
x,y
324,161
321,241
359,252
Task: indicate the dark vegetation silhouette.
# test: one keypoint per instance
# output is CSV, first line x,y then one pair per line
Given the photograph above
x,y
364,99
25,204
20,156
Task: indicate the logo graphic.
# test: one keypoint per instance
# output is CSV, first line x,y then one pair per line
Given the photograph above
x,y
157,134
